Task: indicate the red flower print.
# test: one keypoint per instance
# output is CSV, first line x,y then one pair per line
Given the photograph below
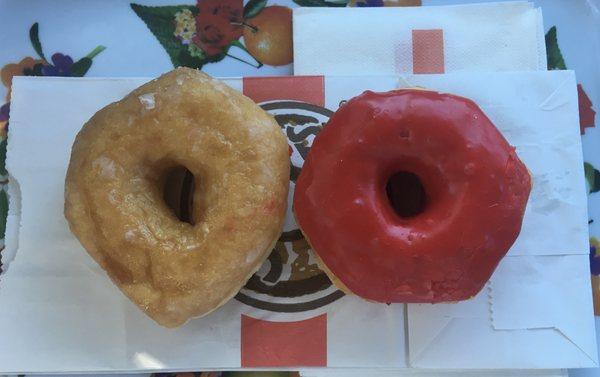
x,y
587,114
231,10
218,24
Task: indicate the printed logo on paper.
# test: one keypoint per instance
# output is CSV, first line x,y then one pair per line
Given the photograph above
x,y
290,280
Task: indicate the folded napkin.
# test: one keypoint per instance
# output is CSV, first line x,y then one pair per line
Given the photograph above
x,y
434,39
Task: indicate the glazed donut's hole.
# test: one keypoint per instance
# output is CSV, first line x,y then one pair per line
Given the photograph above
x,y
178,193
406,194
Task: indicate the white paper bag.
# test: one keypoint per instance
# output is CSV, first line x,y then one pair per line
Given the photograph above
x,y
65,315
537,310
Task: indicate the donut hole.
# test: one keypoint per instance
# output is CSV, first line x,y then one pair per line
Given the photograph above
x,y
406,194
178,193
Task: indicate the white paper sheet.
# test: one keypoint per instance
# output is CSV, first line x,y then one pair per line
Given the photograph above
x,y
536,312
434,373
65,315
527,279
59,309
538,113
505,36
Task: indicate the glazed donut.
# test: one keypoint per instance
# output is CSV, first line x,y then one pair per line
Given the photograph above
x,y
411,196
172,269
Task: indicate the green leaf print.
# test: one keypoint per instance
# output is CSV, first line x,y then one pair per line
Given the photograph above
x,y
253,7
35,40
3,157
80,67
321,3
554,56
592,177
161,22
3,212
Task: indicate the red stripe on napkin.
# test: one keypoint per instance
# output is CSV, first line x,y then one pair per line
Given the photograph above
x,y
284,344
309,89
428,51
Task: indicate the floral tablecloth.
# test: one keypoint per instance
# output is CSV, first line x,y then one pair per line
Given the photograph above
x,y
238,38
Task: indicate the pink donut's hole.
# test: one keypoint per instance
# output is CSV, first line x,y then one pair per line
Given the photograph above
x,y
406,194
178,193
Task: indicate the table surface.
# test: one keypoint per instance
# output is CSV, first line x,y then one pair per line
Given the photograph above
x,y
68,38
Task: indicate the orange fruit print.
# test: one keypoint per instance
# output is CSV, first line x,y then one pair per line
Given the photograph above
x,y
268,36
